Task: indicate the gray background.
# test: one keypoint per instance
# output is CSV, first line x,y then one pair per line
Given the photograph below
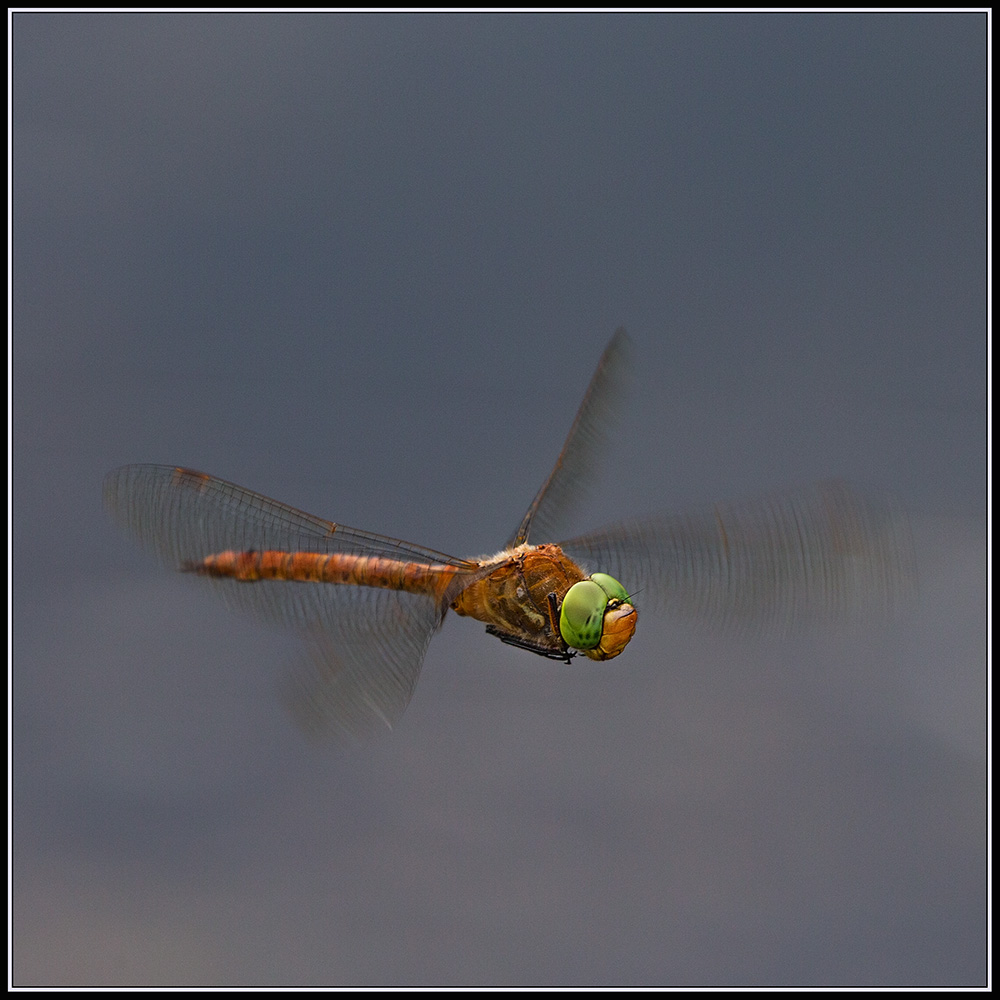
x,y
366,265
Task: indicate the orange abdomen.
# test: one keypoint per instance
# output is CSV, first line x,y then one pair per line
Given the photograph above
x,y
318,567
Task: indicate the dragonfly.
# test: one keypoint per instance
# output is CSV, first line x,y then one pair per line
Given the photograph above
x,y
368,605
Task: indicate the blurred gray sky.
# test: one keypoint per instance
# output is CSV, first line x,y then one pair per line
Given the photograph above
x,y
366,264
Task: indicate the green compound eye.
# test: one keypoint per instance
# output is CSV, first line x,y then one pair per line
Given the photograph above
x,y
611,587
581,620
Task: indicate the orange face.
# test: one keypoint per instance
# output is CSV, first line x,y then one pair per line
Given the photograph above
x,y
619,626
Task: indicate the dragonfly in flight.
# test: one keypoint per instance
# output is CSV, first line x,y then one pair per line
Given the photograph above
x,y
368,605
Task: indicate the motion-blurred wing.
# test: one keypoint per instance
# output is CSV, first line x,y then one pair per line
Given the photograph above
x,y
366,644
359,676
573,472
797,558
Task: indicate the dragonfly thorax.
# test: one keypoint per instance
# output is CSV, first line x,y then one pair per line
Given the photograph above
x,y
536,597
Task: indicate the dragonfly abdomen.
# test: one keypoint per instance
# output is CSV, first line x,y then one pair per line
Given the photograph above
x,y
319,567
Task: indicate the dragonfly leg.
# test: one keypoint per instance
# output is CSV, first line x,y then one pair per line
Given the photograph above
x,y
554,624
565,654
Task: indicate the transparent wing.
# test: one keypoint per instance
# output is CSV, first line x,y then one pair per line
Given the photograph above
x,y
823,553
366,644
359,676
364,650
184,515
585,443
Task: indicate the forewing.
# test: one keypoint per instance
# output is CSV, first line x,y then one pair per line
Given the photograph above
x,y
827,552
184,516
366,645
585,444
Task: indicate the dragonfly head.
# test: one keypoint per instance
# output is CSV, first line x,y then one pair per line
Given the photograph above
x,y
597,617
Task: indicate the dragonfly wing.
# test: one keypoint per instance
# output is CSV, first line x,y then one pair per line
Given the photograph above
x,y
798,558
358,679
584,446
366,644
185,516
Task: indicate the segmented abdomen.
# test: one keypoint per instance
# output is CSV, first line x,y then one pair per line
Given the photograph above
x,y
318,567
